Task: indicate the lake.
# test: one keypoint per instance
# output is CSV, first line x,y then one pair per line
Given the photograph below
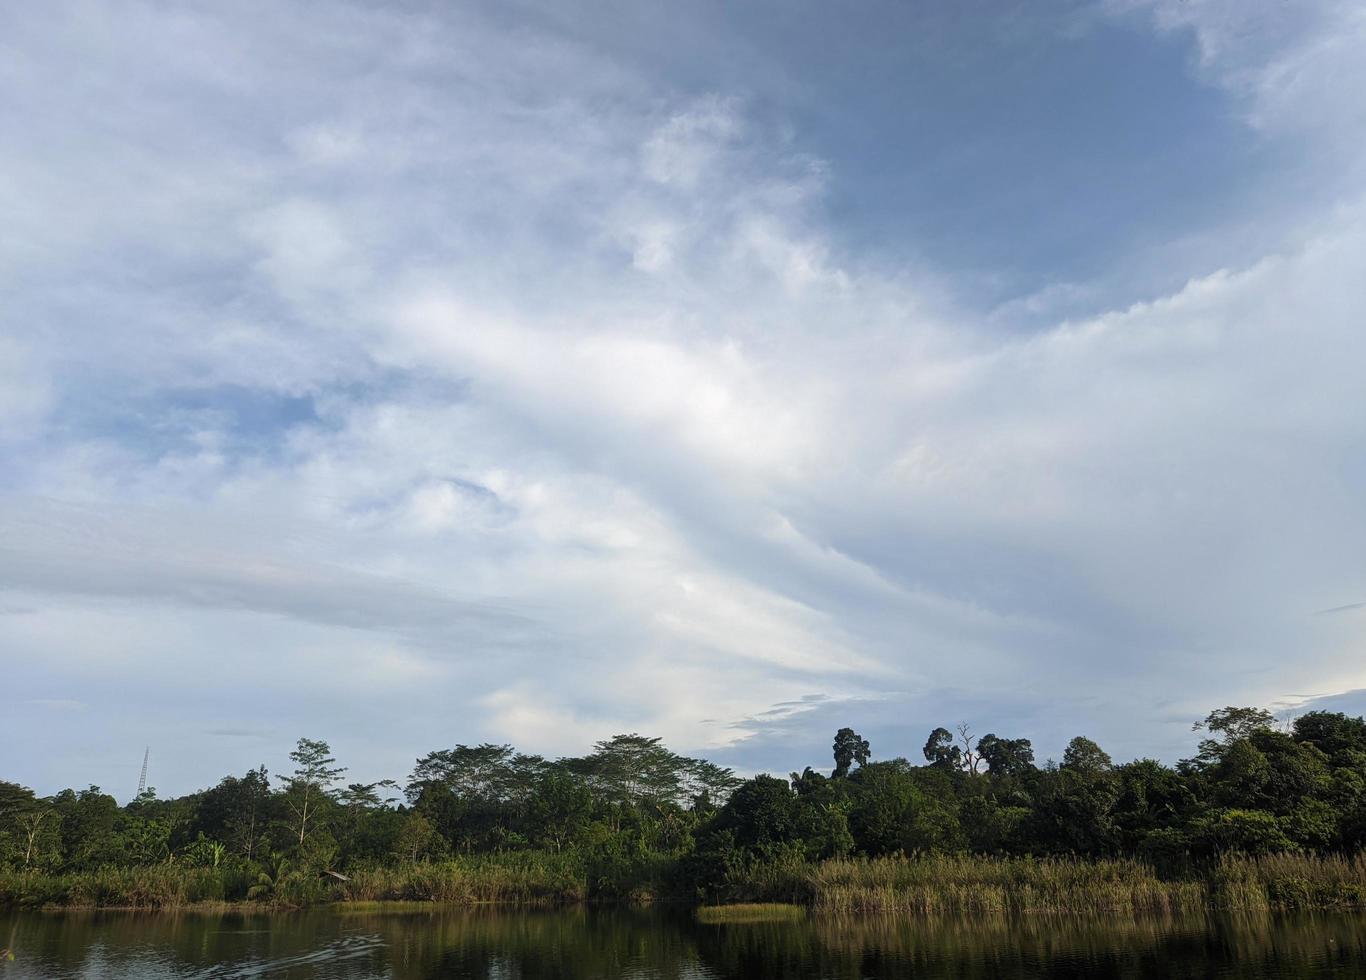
x,y
432,942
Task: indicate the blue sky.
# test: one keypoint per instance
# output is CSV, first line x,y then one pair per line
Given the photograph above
x,y
435,373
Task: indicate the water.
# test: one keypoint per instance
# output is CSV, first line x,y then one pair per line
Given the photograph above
x,y
667,943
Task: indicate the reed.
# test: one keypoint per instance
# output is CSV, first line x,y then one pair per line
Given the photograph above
x,y
962,883
149,887
923,884
750,912
1289,881
519,878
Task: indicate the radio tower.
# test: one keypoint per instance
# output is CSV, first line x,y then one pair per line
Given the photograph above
x,y
142,780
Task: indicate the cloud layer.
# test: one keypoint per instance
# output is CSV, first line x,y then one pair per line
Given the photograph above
x,y
413,376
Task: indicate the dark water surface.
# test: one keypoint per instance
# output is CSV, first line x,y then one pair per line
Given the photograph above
x,y
668,943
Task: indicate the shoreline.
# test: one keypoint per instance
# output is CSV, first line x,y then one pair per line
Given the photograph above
x,y
927,884
731,913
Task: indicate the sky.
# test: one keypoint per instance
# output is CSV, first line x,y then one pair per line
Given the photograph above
x,y
413,374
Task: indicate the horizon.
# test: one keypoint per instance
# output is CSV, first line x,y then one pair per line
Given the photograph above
x,y
471,373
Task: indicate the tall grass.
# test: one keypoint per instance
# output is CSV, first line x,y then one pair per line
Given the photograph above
x,y
922,884
960,883
152,887
515,878
747,912
522,879
964,883
1289,881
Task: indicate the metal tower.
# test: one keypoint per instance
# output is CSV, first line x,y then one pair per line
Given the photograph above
x,y
142,780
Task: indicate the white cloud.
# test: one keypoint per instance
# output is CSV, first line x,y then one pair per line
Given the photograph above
x,y
25,391
684,149
607,431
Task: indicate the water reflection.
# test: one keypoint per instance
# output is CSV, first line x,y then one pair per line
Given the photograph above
x,y
662,944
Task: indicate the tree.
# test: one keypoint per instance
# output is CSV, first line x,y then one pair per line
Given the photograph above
x,y
1152,798
311,784
28,828
239,808
636,770
87,827
891,812
363,807
941,753
1229,725
1074,811
1006,756
971,752
487,773
560,809
849,748
1085,756
41,826
248,815
474,794
707,786
417,839
807,782
1331,731
761,815
1244,831
988,826
365,796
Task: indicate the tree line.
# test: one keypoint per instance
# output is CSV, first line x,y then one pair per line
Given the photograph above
x,y
1253,786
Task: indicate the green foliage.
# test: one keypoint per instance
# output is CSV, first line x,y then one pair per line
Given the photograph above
x,y
417,840
891,814
1006,756
1085,756
633,819
1228,726
1253,832
849,748
940,752
309,794
750,912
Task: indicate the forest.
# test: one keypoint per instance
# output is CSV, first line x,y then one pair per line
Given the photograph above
x,y
634,820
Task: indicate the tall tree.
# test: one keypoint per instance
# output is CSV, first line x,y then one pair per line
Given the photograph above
x,y
1333,732
706,785
560,809
311,785
87,827
29,834
483,775
941,753
1227,726
1085,756
971,749
636,770
849,748
1006,756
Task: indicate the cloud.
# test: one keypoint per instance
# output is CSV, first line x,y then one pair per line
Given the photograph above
x,y
410,381
1294,66
25,391
57,704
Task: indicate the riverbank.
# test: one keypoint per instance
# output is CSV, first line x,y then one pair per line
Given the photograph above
x,y
919,885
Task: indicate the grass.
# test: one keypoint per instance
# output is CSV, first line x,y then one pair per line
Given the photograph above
x,y
952,883
516,878
956,883
750,912
1289,881
522,879
926,884
153,887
